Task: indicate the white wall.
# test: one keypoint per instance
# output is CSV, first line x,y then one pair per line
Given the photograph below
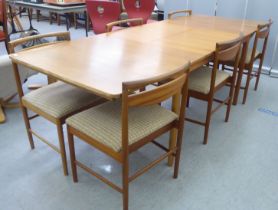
x,y
207,8
251,9
173,5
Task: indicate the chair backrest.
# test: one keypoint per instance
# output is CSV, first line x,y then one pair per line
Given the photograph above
x,y
130,22
102,12
262,33
139,8
58,37
185,12
3,17
226,52
174,85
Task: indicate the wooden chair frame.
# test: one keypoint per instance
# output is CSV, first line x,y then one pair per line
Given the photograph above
x,y
262,33
25,106
176,86
135,21
5,26
224,52
186,12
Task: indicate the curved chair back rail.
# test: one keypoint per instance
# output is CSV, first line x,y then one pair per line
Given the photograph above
x,y
130,22
139,8
60,36
186,12
102,12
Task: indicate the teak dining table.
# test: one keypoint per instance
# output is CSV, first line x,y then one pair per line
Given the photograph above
x,y
101,63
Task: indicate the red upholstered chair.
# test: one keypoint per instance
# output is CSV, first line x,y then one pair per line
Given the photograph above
x,y
139,8
4,37
102,12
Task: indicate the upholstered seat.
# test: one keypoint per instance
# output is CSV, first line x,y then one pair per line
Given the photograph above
x,y
249,55
103,123
59,99
200,79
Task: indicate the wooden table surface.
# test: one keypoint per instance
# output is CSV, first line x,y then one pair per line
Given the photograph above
x,y
101,63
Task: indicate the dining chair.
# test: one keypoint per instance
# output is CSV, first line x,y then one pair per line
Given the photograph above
x,y
178,12
54,102
115,26
4,36
102,12
254,54
204,82
139,9
119,128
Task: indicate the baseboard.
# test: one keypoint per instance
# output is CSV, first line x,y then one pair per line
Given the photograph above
x,y
268,71
265,69
274,73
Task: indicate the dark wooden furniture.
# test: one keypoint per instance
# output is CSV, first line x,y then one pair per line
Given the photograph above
x,y
4,37
205,82
119,128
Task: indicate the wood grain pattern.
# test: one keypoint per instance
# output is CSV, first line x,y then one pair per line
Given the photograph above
x,y
102,63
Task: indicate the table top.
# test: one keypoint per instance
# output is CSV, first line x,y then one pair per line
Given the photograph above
x,y
50,7
101,63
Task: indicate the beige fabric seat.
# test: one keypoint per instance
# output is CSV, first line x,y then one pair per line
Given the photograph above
x,y
59,99
200,79
249,54
103,123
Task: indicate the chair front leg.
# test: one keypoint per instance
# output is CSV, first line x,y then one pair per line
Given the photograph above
x,y
62,147
178,154
125,183
72,156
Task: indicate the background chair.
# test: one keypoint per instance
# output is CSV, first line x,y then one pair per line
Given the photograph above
x,y
102,12
205,82
254,54
4,37
54,102
186,12
119,128
130,22
139,8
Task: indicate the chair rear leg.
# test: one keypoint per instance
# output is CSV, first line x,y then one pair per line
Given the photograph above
x,y
247,86
188,101
62,147
208,117
258,75
28,127
231,94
